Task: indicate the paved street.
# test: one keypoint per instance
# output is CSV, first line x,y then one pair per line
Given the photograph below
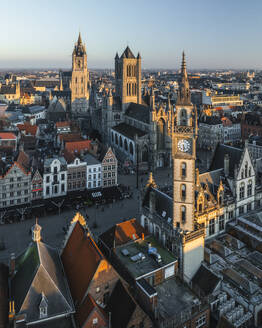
x,y
16,236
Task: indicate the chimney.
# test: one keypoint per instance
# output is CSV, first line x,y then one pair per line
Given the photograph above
x,y
226,165
12,264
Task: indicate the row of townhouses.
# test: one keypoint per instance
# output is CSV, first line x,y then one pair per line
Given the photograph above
x,y
20,184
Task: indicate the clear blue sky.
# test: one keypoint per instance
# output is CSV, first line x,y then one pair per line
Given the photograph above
x,y
214,34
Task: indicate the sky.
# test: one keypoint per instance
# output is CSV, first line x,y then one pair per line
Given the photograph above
x,y
214,34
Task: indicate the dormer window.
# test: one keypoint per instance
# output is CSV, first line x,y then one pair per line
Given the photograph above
x,y
43,307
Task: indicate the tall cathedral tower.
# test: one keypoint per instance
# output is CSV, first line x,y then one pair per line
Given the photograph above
x,y
184,156
128,78
80,79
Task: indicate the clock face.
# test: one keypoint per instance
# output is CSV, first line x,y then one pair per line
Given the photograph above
x,y
183,145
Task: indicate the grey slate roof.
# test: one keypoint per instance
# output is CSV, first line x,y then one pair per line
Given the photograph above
x,y
127,53
164,203
218,158
205,280
139,112
91,160
128,131
39,269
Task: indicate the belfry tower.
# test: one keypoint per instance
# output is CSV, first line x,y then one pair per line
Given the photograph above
x,y
80,79
184,155
128,78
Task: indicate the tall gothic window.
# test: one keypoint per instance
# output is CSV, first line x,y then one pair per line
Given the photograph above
x,y
249,171
211,227
161,134
183,117
249,188
183,169
242,191
183,213
183,192
246,170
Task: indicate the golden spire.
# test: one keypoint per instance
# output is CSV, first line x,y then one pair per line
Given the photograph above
x,y
36,231
151,181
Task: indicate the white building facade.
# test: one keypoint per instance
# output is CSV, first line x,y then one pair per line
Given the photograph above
x,y
54,177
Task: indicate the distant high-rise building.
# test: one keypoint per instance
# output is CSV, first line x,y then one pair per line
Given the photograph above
x,y
128,78
80,79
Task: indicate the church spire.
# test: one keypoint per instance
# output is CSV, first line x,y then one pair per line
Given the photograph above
x,y
79,41
183,93
36,231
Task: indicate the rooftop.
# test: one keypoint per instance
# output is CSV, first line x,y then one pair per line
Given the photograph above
x,y
141,267
175,298
128,130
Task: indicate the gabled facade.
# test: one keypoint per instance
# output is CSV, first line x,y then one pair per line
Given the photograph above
x,y
15,186
109,168
54,177
37,186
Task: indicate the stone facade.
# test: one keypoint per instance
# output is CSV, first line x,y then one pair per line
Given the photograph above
x,y
80,79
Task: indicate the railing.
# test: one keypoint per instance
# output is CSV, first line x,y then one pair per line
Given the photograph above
x,y
183,129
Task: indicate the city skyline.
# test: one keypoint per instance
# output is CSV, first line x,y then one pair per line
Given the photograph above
x,y
213,36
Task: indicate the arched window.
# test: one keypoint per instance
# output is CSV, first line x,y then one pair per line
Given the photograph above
x,y
76,79
242,191
200,207
161,134
249,171
183,169
116,139
183,117
183,213
183,192
131,148
120,142
125,145
246,170
144,154
249,188
242,174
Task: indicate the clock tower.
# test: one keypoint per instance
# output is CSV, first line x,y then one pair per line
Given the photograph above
x,y
184,155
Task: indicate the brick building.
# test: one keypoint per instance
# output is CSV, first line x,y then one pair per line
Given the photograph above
x,y
76,172
251,124
95,286
109,168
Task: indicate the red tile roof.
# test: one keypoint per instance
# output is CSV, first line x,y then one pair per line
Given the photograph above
x,y
62,124
81,258
7,135
24,160
77,146
70,137
122,233
86,308
28,128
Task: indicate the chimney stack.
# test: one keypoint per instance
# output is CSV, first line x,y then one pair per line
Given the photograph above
x,y
226,165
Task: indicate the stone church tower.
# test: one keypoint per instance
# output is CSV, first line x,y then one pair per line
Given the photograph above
x,y
80,79
128,78
184,156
